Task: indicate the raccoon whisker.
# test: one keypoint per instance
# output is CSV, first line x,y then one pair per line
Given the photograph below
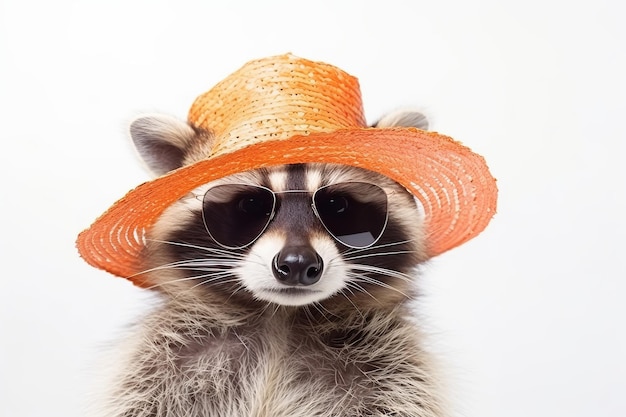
x,y
386,245
359,288
258,259
325,309
214,263
264,310
352,287
202,264
381,271
238,288
204,282
214,275
371,255
309,315
200,284
374,281
382,284
163,284
235,259
348,289
244,344
171,265
350,301
218,280
190,262
226,253
207,263
276,308
212,280
351,251
189,265
270,305
322,310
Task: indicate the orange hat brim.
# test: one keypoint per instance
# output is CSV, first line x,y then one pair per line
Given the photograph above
x,y
454,185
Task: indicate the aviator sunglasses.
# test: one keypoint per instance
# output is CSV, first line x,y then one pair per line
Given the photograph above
x,y
353,213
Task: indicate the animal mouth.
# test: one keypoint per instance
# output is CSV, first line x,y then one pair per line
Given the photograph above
x,y
291,291
290,296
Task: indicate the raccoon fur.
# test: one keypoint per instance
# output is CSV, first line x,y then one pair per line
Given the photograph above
x,y
229,339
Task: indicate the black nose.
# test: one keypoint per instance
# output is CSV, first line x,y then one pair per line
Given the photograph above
x,y
297,265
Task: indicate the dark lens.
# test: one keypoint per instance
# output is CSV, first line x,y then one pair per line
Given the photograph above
x,y
355,213
236,214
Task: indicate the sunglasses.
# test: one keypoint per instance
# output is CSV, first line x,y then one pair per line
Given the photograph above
x,y
353,213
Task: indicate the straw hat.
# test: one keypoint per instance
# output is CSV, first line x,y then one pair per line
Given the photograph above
x,y
286,110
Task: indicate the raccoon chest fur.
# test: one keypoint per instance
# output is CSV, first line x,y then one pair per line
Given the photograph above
x,y
281,364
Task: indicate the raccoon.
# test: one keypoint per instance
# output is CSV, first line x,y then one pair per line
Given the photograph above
x,y
285,291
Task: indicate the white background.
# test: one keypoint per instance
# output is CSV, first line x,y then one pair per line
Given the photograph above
x,y
529,316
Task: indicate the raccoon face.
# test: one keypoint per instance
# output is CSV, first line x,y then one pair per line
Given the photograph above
x,y
290,235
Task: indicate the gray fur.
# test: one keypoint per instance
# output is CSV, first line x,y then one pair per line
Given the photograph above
x,y
405,118
189,359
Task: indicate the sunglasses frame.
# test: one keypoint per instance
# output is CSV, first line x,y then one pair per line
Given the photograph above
x,y
313,207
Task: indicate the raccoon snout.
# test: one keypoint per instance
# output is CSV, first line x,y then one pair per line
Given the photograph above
x,y
297,265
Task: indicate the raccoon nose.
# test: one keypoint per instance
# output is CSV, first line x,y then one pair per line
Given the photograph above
x,y
297,265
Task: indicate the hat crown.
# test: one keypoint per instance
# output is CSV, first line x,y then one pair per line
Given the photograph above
x,y
277,98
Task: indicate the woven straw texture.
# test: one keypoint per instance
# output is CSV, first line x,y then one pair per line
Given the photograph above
x,y
277,98
284,110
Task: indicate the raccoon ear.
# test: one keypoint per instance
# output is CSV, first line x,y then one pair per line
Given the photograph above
x,y
161,141
403,118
